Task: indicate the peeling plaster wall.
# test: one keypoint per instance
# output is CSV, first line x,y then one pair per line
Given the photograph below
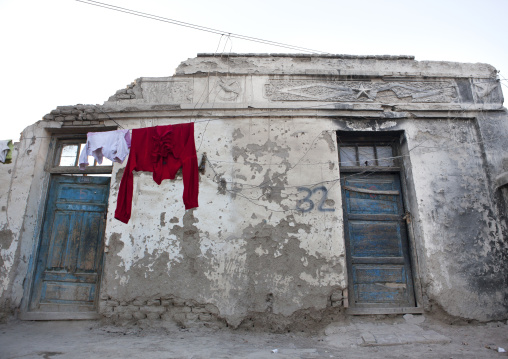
x,y
461,234
267,240
247,241
7,247
21,212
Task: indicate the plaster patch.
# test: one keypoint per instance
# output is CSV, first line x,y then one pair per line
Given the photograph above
x,y
163,219
329,140
6,238
237,134
260,251
387,124
323,277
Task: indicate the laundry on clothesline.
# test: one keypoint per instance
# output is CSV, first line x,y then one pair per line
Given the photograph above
x,y
114,145
162,150
6,148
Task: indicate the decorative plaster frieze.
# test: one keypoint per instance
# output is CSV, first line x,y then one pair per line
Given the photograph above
x,y
228,89
361,91
487,91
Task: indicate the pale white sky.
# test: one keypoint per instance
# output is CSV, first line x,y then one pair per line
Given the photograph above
x,y
64,52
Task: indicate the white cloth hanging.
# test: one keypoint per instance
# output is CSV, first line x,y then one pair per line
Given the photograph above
x,y
114,145
4,149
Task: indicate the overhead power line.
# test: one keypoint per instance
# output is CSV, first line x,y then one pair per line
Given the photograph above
x,y
198,27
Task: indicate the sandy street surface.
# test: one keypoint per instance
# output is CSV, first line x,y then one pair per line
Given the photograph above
x,y
357,337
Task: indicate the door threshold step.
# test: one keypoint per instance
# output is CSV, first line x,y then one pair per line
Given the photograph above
x,y
368,311
59,316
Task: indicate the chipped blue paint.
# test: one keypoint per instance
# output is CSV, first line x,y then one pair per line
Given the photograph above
x,y
376,241
69,260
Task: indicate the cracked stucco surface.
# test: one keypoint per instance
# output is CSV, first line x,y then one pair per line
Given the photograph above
x,y
255,246
245,241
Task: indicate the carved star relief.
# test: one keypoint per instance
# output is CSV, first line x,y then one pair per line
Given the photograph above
x,y
362,91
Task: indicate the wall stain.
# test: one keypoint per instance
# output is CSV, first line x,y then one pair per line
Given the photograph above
x,y
237,134
329,140
6,238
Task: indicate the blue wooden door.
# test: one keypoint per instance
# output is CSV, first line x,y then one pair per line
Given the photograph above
x,y
69,260
379,267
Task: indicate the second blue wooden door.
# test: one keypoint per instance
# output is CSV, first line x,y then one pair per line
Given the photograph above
x,y
376,240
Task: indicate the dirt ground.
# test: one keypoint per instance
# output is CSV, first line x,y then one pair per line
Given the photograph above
x,y
358,337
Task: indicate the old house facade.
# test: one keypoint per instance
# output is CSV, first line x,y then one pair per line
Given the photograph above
x,y
327,185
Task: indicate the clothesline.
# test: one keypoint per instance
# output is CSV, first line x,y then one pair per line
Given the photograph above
x,y
162,150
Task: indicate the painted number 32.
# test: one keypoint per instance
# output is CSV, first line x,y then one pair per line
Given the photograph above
x,y
307,205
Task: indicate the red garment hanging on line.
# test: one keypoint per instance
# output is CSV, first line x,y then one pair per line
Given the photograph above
x,y
162,150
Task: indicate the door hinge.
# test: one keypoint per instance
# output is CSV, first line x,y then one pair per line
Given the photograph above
x,y
407,217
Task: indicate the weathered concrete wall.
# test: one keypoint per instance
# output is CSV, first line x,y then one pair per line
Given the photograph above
x,y
21,211
255,252
461,236
464,234
7,247
305,64
247,248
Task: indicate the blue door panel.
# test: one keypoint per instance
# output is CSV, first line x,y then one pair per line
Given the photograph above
x,y
79,193
88,255
369,274
373,183
379,269
69,260
79,207
370,204
385,284
60,232
69,293
378,293
375,239
362,203
64,276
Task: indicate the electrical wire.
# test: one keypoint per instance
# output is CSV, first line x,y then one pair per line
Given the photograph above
x,y
239,187
465,109
368,171
199,27
209,92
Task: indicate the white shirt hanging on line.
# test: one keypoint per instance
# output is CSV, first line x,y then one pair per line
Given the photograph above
x,y
4,149
114,145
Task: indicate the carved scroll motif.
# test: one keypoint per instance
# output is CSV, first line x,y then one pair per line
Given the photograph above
x,y
361,91
167,91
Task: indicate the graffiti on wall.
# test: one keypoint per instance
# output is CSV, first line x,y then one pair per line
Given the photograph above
x,y
314,198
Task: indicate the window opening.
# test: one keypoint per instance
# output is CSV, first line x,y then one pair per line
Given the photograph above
x,y
66,159
69,155
363,152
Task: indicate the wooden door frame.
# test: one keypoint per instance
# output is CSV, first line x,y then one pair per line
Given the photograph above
x,y
409,204
50,169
